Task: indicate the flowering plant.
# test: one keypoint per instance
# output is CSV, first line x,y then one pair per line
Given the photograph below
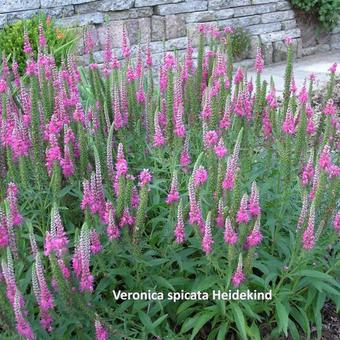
x,y
201,181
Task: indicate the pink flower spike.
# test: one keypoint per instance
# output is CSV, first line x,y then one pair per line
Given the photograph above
x,y
27,45
207,240
239,76
230,236
259,62
336,221
332,69
303,95
308,238
145,177
96,246
238,276
179,230
254,201
220,149
210,138
23,326
288,41
101,332
158,137
173,195
126,52
12,198
325,157
200,176
330,109
242,214
42,39
112,230
288,125
255,237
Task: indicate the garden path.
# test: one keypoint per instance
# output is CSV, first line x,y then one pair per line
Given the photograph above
x,y
303,67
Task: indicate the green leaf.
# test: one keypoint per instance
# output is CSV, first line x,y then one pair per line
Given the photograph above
x,y
282,317
222,331
201,321
239,320
146,321
159,320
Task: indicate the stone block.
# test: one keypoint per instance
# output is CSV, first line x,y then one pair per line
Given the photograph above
x,y
133,13
201,16
298,47
336,30
175,26
246,21
58,3
211,15
145,29
280,35
22,15
245,64
132,28
254,43
240,22
60,12
308,51
217,4
7,6
267,50
3,20
193,34
288,24
255,9
176,44
335,46
116,31
335,38
283,5
323,48
279,51
277,16
142,3
157,28
82,20
260,2
264,28
117,5
182,7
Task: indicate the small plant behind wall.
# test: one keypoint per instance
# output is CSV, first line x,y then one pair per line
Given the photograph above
x,y
59,40
326,11
239,42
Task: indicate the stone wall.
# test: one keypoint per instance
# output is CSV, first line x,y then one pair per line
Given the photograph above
x,y
166,23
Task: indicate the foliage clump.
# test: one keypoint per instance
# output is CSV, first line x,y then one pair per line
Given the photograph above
x,y
60,40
